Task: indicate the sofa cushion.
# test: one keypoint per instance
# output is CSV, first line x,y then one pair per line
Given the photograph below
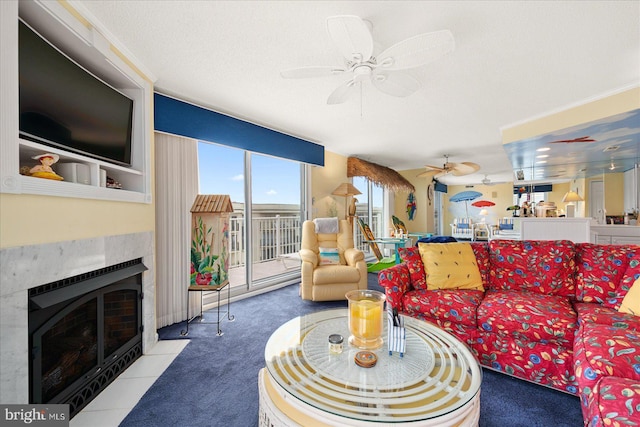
x,y
541,266
604,351
631,302
595,313
613,402
529,316
450,266
411,257
600,269
332,274
546,363
458,305
481,250
631,274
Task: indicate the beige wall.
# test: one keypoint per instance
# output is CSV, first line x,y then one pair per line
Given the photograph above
x,y
323,181
423,218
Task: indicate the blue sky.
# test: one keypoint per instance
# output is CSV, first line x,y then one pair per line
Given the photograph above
x,y
221,171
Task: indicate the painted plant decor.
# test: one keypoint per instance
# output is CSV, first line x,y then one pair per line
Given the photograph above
x,y
208,268
210,240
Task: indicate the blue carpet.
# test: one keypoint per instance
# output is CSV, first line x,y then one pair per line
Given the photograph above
x,y
214,381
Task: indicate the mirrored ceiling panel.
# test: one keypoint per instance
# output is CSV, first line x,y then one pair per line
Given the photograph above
x,y
608,145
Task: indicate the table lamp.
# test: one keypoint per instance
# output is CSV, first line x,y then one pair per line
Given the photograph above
x,y
484,214
570,198
346,190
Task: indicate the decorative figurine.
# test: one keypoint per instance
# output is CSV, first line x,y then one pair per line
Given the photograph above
x,y
43,170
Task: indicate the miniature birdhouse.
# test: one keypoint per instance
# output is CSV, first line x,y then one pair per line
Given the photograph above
x,y
210,215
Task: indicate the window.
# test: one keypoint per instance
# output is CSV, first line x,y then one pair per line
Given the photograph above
x,y
266,193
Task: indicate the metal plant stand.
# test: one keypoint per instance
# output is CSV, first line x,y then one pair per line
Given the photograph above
x,y
217,289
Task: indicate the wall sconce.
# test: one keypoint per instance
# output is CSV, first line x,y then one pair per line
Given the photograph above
x,y
570,198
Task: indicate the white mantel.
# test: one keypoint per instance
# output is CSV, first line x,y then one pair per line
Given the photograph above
x,y
25,267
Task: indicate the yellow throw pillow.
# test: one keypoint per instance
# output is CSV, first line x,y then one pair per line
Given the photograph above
x,y
631,302
450,266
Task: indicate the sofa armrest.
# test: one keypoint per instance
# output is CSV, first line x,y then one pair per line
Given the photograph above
x,y
352,256
307,255
396,282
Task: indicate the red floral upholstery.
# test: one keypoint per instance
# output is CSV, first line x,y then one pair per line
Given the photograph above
x,y
606,316
541,266
549,316
630,275
603,351
614,402
545,363
411,257
528,316
396,282
481,251
458,305
599,271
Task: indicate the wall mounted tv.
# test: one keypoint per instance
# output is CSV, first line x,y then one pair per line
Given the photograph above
x,y
65,106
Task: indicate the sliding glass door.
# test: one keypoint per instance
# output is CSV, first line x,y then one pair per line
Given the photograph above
x,y
265,226
275,217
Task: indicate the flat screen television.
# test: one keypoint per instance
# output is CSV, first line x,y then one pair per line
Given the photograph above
x,y
63,105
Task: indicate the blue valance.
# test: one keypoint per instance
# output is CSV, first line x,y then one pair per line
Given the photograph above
x,y
181,118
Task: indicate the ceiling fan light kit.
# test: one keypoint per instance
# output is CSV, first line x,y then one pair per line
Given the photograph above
x,y
352,36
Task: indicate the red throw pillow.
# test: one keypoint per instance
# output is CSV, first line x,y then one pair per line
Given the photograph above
x,y
411,256
600,271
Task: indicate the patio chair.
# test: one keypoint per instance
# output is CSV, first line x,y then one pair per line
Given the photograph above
x,y
461,228
331,266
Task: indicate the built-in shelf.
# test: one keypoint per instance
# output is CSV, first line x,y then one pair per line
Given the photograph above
x,y
90,48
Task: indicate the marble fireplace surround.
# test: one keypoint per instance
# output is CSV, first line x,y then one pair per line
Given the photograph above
x,y
25,267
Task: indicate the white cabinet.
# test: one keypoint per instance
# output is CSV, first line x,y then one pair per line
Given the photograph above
x,y
616,234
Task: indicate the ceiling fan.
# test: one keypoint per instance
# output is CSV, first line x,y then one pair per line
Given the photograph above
x,y
486,180
455,169
352,37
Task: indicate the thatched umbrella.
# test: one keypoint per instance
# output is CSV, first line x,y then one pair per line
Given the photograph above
x,y
380,175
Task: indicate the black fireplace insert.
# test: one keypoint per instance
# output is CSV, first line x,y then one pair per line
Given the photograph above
x,y
83,332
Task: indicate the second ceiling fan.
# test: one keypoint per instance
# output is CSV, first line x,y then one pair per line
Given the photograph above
x,y
455,169
352,37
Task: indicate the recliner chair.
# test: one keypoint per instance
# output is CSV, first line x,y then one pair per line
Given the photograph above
x,y
329,282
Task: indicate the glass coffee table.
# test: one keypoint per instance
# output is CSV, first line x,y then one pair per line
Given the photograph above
x,y
435,383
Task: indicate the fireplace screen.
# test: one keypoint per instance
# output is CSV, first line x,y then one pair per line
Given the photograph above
x,y
84,331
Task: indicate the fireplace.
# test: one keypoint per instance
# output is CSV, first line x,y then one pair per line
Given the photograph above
x,y
83,332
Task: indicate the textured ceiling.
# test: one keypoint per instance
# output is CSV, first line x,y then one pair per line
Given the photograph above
x,y
514,60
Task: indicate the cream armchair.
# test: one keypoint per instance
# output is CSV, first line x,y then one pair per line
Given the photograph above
x,y
327,282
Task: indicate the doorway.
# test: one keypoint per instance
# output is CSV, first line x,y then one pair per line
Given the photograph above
x,y
596,201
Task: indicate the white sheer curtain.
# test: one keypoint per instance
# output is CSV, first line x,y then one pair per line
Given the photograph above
x,y
176,172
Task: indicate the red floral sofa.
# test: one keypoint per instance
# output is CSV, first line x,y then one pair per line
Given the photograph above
x,y
549,314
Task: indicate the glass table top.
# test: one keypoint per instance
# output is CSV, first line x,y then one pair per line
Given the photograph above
x,y
436,375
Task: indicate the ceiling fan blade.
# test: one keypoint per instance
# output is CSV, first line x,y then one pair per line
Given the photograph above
x,y
341,93
438,168
351,36
465,168
304,72
427,174
395,84
417,51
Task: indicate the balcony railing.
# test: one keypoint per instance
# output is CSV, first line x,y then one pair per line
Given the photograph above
x,y
276,236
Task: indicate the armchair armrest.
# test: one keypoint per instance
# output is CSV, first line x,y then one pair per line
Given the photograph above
x,y
396,282
353,255
307,255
